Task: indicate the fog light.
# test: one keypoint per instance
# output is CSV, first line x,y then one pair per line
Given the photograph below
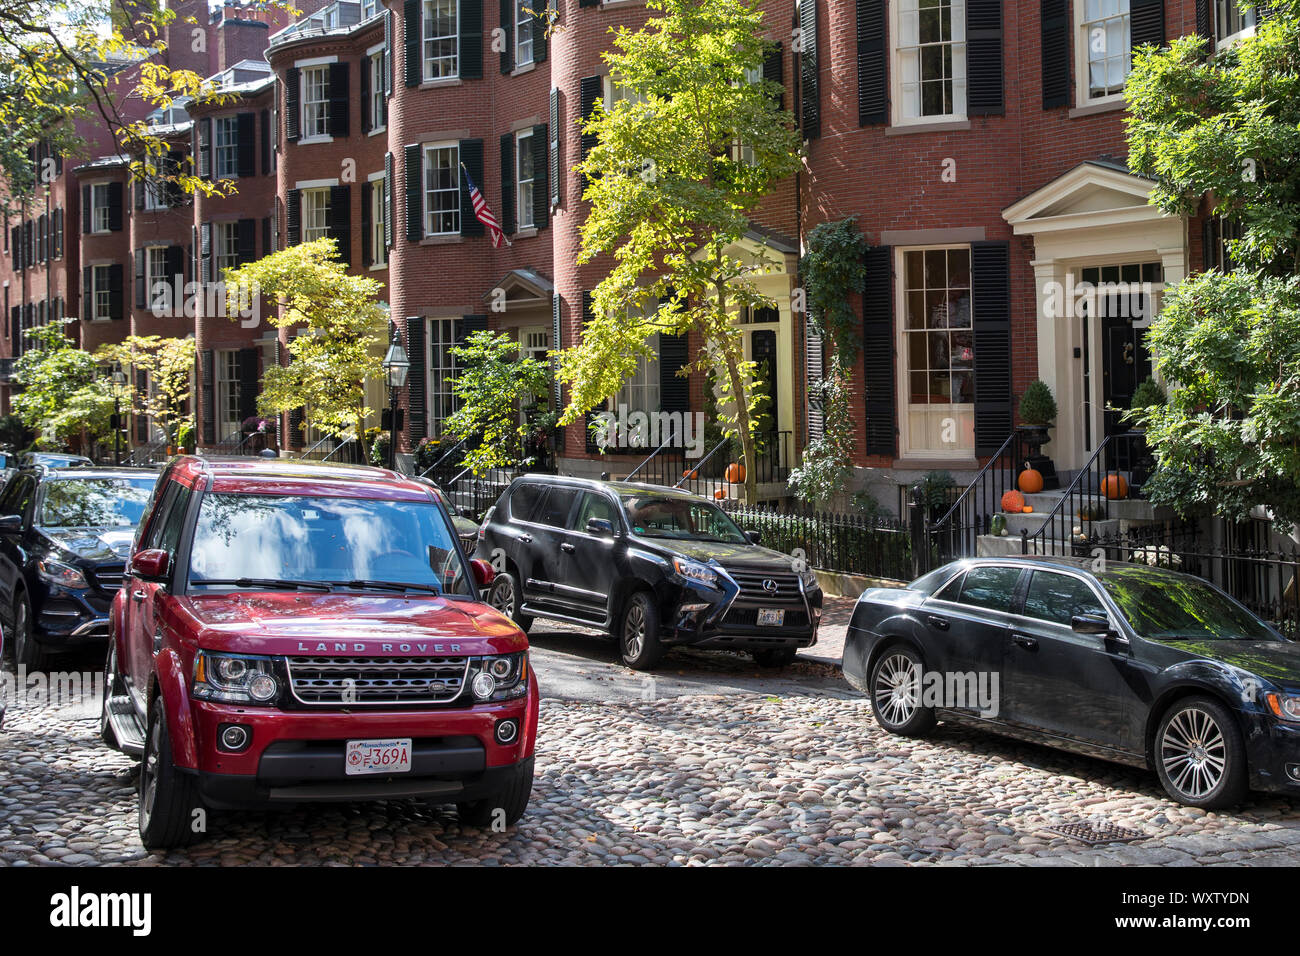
x,y
262,688
692,608
484,685
507,731
234,737
1293,771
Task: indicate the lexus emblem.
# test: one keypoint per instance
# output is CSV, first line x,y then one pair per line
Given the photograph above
x,y
769,585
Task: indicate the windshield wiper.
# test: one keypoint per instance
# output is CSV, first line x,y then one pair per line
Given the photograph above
x,y
388,586
282,583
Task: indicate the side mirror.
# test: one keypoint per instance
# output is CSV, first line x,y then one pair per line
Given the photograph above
x,y
1090,624
754,536
484,573
601,526
11,524
150,564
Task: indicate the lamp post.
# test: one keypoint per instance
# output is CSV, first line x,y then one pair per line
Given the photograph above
x,y
396,364
119,379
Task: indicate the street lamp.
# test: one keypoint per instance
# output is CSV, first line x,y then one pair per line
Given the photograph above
x,y
119,379
396,364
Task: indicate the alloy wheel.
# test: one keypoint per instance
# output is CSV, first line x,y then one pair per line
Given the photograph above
x,y
1194,752
634,630
502,597
149,773
898,688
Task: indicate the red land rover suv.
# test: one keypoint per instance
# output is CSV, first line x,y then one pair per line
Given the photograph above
x,y
291,632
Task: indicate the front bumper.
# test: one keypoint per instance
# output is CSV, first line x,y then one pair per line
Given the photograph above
x,y
1272,753
70,618
733,624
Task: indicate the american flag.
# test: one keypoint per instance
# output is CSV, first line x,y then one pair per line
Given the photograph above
x,y
483,214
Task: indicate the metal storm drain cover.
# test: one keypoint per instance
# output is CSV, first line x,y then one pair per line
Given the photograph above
x,y
1096,834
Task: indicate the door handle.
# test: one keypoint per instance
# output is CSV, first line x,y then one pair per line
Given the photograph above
x,y
137,595
1025,641
157,642
526,538
568,548
937,622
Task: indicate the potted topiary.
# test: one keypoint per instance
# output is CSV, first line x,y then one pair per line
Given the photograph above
x,y
1037,413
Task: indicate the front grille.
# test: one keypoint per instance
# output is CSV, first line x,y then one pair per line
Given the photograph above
x,y
108,579
753,592
348,681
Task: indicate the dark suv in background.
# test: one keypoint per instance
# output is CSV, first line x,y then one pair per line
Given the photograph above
x,y
652,566
65,536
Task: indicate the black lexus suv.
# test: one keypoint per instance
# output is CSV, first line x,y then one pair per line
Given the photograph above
x,y
652,566
64,538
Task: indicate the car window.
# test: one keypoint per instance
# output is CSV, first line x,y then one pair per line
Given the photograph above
x,y
525,499
1059,597
990,587
952,590
594,506
158,520
557,507
94,502
16,495
171,531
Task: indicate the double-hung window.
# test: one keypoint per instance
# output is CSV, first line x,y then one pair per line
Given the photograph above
x,y
931,60
315,214
1105,46
378,253
442,189
376,67
99,207
524,30
225,246
1230,19
315,101
159,280
441,39
101,294
225,146
524,177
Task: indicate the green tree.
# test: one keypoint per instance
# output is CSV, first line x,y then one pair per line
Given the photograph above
x,y
65,392
168,364
339,345
1226,125
677,171
493,385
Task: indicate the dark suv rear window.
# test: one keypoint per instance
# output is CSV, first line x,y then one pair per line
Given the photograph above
x,y
525,499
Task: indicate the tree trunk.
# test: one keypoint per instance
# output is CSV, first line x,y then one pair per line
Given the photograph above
x,y
739,393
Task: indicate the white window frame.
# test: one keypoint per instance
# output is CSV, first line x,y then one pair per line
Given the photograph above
x,y
99,222
155,195
1224,10
155,270
369,8
225,247
523,32
225,148
1082,53
376,67
437,64
615,93
226,387
441,402
378,252
315,111
960,450
101,294
430,193
907,46
315,213
524,208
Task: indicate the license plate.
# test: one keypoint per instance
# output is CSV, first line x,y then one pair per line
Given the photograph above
x,y
771,616
378,756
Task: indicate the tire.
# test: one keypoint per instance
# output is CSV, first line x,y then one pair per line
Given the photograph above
x,y
638,632
775,656
168,797
106,733
512,800
26,650
505,595
1199,754
896,693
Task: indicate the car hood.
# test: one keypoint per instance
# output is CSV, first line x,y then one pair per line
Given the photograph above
x,y
1277,661
736,556
349,623
95,545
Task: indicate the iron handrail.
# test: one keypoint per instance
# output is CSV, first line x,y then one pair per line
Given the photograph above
x,y
970,489
695,469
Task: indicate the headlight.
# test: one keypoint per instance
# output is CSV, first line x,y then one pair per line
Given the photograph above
x,y
234,678
64,575
499,677
808,578
1286,707
694,571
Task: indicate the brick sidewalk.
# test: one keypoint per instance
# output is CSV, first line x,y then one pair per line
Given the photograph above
x,y
829,648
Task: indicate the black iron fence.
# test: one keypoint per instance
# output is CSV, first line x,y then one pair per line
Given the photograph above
x,y
873,546
703,474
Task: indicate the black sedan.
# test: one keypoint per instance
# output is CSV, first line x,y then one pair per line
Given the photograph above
x,y
1129,663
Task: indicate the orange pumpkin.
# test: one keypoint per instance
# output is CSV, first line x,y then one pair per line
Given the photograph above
x,y
1013,501
1030,481
1027,509
719,494
1114,486
735,473
690,474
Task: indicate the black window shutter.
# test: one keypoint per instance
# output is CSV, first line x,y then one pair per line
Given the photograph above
x,y
471,155
246,151
774,70
293,217
589,436
388,200
557,339
116,292
417,424
674,389
205,252
141,421
266,236
414,194
508,32
809,91
341,220
588,3
1204,20
984,58
878,351
292,87
467,325
991,312
412,24
589,91
248,383
58,233
388,53
139,194
873,88
367,253
1055,47
814,370
541,169
115,207
140,278
471,40
363,79
508,184
208,395
1146,22
339,101
264,124
247,241
205,149
175,263
555,147
87,214
540,23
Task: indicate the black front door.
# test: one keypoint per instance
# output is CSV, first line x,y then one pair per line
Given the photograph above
x,y
763,346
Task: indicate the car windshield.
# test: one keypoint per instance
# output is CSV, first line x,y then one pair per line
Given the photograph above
x,y
95,502
332,541
1177,608
674,516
